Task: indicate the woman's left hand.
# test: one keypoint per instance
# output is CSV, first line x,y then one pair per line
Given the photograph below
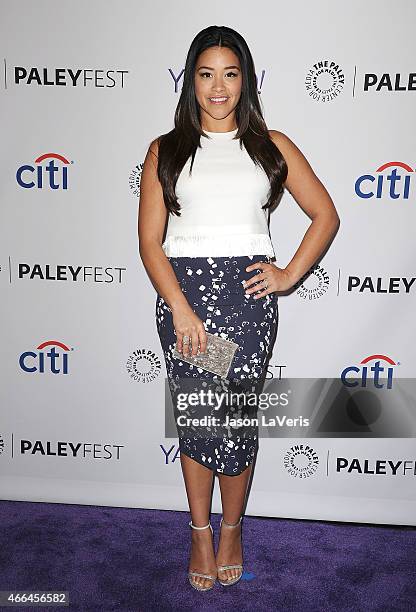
x,y
272,279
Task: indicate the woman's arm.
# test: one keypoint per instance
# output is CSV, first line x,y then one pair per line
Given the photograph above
x,y
151,225
315,201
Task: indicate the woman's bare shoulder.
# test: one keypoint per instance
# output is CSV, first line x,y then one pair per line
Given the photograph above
x,y
283,142
290,151
154,146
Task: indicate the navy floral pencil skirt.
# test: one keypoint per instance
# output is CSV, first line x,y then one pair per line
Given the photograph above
x,y
227,443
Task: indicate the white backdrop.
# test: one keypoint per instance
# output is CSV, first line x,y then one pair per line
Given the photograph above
x,y
84,89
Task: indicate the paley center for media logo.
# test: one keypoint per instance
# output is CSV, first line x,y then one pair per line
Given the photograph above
x,y
313,284
134,179
301,461
48,171
324,80
144,365
390,181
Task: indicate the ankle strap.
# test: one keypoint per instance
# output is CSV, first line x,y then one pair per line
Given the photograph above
x,y
229,524
194,527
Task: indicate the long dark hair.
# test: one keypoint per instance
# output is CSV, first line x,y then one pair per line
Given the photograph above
x,y
176,146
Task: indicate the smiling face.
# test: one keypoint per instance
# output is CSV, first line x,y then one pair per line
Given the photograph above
x,y
218,81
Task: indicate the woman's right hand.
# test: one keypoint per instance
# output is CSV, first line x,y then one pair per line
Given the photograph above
x,y
187,323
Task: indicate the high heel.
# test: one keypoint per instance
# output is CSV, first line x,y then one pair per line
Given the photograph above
x,y
208,576
222,568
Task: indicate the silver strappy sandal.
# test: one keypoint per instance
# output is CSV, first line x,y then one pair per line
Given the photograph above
x,y
190,574
221,568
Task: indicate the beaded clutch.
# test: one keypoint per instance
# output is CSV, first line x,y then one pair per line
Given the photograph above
x,y
217,357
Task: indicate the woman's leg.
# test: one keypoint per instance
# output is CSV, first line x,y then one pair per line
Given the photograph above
x,y
233,494
198,483
253,326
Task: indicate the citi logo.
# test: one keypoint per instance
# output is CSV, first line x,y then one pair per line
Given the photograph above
x,y
392,185
51,174
368,373
53,361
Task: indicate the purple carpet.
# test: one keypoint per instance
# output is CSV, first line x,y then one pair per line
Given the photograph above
x,y
130,559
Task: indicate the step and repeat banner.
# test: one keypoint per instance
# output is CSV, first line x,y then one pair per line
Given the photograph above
x,y
84,90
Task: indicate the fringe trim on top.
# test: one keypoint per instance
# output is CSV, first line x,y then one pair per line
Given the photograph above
x,y
218,245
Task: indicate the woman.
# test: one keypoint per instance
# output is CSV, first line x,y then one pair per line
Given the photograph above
x,y
214,178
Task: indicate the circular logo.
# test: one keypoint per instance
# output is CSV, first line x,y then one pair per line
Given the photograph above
x,y
301,461
324,81
144,365
134,179
313,284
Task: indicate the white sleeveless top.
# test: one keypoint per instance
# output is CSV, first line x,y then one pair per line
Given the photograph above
x,y
221,212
